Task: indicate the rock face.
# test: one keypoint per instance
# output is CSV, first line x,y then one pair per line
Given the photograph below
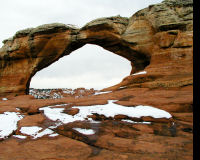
x,y
158,41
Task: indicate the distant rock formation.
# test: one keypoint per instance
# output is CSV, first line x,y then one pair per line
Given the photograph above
x,y
157,39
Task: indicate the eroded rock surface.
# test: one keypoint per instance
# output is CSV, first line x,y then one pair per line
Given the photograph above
x,y
56,125
158,41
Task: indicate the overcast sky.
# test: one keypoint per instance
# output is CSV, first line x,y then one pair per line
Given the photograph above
x,y
89,66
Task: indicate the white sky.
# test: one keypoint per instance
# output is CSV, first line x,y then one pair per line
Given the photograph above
x,y
90,66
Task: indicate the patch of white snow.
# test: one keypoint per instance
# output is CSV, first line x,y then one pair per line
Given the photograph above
x,y
34,131
20,136
55,114
68,92
98,93
130,121
122,87
109,110
138,73
8,123
85,131
43,133
53,135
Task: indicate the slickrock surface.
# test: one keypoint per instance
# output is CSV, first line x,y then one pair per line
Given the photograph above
x,y
149,115
49,131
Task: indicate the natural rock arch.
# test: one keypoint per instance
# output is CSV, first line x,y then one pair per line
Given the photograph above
x,y
35,49
148,38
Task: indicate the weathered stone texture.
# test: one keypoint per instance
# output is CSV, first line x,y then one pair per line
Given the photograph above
x,y
158,39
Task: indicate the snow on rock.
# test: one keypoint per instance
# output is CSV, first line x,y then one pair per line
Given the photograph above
x,y
85,131
68,91
30,130
34,131
130,121
55,114
122,87
138,73
20,136
45,93
55,125
108,110
60,105
53,135
43,133
111,109
8,123
56,96
97,93
60,93
4,99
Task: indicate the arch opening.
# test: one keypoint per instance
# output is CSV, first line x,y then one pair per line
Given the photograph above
x,y
90,66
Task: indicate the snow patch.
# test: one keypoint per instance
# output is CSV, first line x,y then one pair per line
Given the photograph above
x,y
55,125
108,110
33,131
130,121
43,133
143,72
53,135
4,99
98,93
122,87
60,105
55,114
20,136
45,93
8,123
111,109
67,91
85,131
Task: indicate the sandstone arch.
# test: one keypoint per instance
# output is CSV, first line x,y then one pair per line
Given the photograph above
x,y
163,42
35,49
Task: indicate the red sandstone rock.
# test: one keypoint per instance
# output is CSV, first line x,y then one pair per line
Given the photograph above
x,y
71,111
157,39
33,120
149,40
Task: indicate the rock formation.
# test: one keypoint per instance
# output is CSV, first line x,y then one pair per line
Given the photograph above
x,y
158,41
